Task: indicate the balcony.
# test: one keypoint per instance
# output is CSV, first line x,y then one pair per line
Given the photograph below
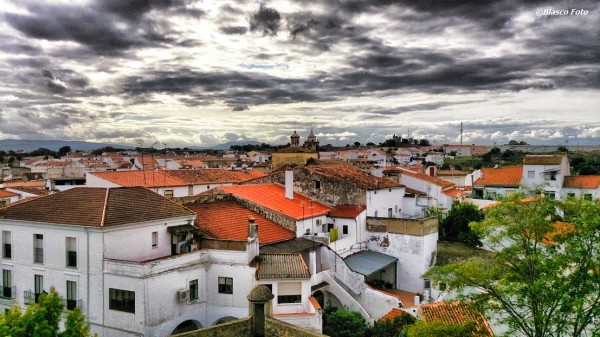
x,y
38,255
8,293
71,304
30,297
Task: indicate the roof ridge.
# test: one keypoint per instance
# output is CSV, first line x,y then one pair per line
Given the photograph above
x,y
104,208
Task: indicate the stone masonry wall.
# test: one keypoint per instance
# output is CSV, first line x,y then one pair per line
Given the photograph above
x,y
237,328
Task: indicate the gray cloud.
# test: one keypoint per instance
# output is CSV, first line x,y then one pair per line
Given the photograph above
x,y
266,20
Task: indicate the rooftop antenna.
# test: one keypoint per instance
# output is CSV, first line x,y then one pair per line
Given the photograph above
x,y
142,152
461,133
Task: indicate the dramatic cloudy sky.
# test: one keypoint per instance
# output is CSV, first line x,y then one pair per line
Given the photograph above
x,y
202,72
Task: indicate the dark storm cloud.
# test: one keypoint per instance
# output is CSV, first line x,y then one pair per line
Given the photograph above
x,y
266,20
106,27
233,30
200,88
415,107
240,107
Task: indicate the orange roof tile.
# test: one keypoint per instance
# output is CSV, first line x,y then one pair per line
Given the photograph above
x,y
582,182
89,206
32,183
421,176
146,178
7,194
456,192
272,196
214,176
500,176
456,313
352,176
347,211
395,312
228,220
542,160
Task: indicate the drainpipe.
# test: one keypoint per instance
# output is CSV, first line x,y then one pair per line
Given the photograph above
x,y
87,300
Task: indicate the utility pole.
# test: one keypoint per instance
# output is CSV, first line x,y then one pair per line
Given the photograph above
x,y
461,132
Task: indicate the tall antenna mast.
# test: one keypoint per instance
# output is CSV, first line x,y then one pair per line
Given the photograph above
x,y
461,132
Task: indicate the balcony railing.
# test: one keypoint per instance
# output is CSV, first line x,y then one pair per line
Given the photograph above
x,y
38,256
31,297
8,293
71,304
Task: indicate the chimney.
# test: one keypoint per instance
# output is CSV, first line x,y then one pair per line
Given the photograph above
x,y
252,228
289,184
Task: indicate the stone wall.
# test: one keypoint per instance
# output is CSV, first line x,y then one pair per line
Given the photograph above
x,y
274,327
278,218
237,328
418,227
332,192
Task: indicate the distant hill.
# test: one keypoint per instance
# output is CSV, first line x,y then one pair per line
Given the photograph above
x,y
227,145
54,145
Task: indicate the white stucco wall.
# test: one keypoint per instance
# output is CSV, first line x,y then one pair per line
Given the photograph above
x,y
414,255
380,201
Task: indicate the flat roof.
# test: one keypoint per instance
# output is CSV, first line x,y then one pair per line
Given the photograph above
x,y
368,262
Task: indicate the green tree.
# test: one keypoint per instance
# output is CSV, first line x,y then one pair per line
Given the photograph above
x,y
455,227
345,323
439,328
42,319
544,278
63,151
393,327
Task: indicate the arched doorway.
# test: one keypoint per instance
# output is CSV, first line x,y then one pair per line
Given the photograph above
x,y
187,326
225,320
320,297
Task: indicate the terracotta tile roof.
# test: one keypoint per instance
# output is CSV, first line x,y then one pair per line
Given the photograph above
x,y
228,220
582,182
146,178
501,176
31,183
278,266
88,206
31,190
272,196
55,164
421,176
347,211
352,176
413,191
456,192
457,313
7,194
213,176
395,312
542,160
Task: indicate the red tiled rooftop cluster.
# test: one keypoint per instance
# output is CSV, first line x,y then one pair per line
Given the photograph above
x,y
501,176
228,220
457,313
352,176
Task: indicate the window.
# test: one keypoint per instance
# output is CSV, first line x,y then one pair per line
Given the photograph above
x,y
71,295
6,245
345,229
193,290
121,300
550,194
427,283
154,239
375,213
6,284
169,193
38,286
289,292
317,184
225,285
530,174
390,214
550,175
71,245
329,227
572,195
38,248
587,196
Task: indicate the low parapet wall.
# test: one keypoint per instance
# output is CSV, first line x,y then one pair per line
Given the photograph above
x,y
417,227
238,328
